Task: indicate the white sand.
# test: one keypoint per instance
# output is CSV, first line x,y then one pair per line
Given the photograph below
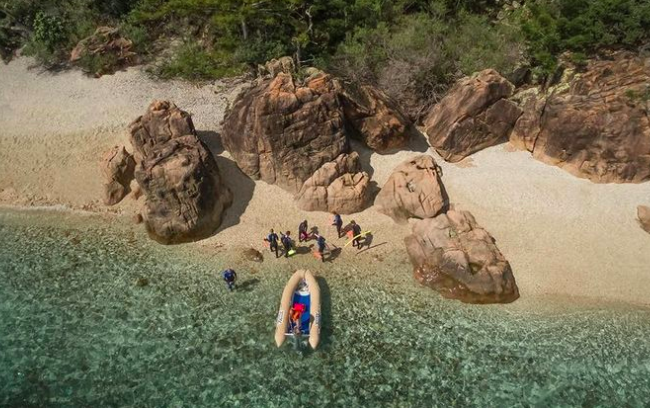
x,y
562,235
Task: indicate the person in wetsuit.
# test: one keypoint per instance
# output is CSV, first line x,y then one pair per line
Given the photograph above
x,y
338,222
272,239
229,276
302,231
320,242
356,234
286,243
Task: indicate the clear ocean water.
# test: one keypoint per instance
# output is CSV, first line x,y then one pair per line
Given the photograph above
x,y
76,330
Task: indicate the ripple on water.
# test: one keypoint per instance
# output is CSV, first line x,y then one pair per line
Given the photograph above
x,y
77,330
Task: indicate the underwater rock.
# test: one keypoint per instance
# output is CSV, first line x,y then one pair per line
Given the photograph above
x,y
475,114
339,186
253,254
117,166
452,254
594,122
414,189
141,282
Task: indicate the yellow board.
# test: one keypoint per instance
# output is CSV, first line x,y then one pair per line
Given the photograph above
x,y
353,238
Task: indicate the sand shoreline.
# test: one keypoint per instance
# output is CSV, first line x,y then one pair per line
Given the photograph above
x,y
563,236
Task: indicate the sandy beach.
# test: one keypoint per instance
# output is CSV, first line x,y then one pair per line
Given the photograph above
x,y
562,235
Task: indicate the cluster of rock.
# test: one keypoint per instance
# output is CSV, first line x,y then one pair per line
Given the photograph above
x,y
296,134
592,123
458,258
449,251
185,196
106,42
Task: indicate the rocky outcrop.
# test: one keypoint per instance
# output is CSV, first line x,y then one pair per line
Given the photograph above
x,y
643,212
375,118
474,115
117,167
161,122
106,42
339,186
414,189
594,124
282,133
185,195
455,256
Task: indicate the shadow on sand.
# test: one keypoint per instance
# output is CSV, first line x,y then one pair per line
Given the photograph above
x,y
212,140
242,188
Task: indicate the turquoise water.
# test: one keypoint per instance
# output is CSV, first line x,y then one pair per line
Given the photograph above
x,y
76,331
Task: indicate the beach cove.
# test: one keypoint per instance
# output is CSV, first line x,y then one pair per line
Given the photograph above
x,y
95,313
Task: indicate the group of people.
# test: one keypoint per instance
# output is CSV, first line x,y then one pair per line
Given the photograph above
x,y
304,234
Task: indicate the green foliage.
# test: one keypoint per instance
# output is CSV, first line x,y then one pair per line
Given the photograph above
x,y
48,30
193,63
552,27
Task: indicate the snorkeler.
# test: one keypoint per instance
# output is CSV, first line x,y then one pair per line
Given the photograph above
x,y
229,276
272,239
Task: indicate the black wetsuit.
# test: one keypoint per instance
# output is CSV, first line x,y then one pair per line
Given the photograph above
x,y
356,233
286,243
273,243
338,221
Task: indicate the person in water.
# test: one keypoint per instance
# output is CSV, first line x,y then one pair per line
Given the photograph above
x,y
338,222
302,231
229,276
286,243
356,234
320,242
272,239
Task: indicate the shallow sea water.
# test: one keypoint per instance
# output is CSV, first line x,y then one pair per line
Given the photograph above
x,y
77,331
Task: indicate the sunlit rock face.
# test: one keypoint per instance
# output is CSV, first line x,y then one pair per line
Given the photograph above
x,y
452,254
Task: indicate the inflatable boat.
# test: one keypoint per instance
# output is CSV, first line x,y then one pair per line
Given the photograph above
x,y
303,293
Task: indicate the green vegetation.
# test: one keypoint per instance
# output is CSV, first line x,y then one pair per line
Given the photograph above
x,y
582,27
422,45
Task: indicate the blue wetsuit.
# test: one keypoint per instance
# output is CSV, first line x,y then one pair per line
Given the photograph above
x,y
229,276
321,247
273,243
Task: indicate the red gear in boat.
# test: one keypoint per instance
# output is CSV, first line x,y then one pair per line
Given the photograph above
x,y
296,311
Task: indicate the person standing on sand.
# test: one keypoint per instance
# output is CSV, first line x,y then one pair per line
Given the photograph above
x,y
286,243
338,222
356,234
320,242
272,239
302,231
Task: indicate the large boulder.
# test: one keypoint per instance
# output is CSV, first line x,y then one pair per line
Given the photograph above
x,y
375,118
281,132
117,167
414,189
455,256
594,123
339,186
643,212
475,114
185,195
161,122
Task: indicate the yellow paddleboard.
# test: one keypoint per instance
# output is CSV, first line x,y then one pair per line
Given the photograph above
x,y
353,238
